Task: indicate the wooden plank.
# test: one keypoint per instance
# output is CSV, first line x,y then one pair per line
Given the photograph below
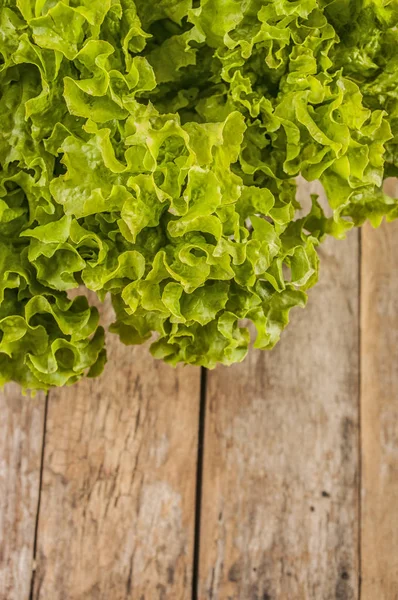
x,y
379,411
118,494
21,439
280,485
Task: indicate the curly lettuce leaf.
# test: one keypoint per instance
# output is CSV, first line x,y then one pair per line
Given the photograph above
x,y
150,149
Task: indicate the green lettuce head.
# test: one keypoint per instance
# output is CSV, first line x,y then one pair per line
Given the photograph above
x,y
149,149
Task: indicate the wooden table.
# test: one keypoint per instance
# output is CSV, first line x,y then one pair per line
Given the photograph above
x,y
276,479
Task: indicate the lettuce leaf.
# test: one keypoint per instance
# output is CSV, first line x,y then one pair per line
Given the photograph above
x,y
150,150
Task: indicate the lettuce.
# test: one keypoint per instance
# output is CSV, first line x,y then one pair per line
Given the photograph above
x,y
149,149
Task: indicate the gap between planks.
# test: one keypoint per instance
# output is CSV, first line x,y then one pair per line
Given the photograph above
x,y
36,534
359,275
199,484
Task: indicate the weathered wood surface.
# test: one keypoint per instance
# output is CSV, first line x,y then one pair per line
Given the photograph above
x,y
379,411
118,492
21,436
280,489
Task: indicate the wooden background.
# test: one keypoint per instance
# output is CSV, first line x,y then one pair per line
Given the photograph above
x,y
276,479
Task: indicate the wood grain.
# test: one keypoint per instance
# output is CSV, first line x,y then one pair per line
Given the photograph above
x,y
280,487
379,411
21,438
118,495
